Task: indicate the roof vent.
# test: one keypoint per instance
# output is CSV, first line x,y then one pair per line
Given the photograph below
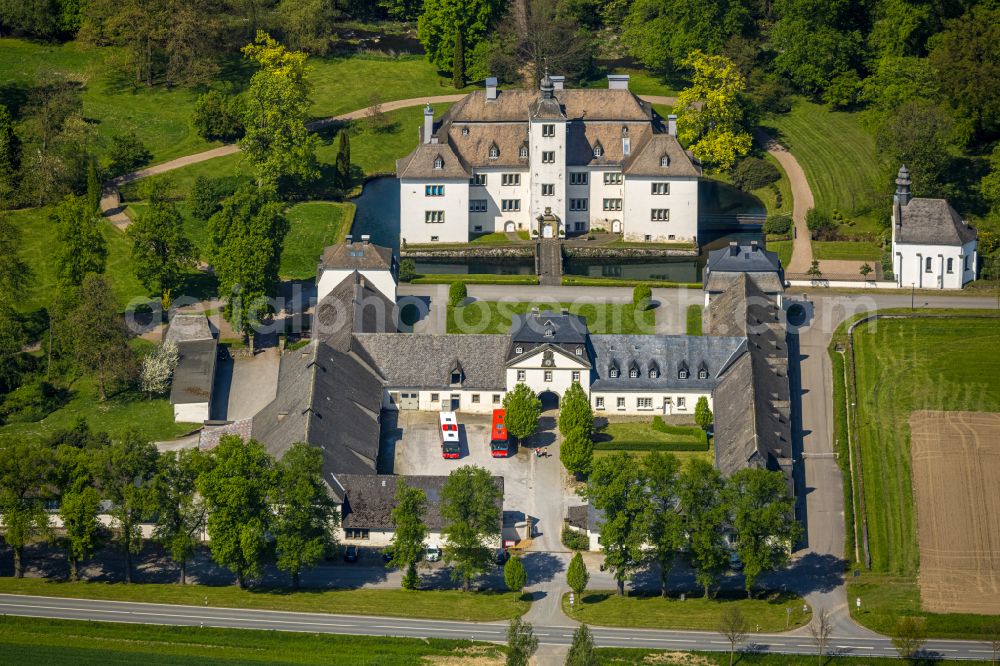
x,y
366,239
618,81
672,124
491,87
558,81
282,415
734,248
348,239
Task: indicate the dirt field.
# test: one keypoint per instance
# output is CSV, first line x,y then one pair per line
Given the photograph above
x,y
956,476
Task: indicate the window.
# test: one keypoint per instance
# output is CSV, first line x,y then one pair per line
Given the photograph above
x,y
510,179
548,375
578,204
465,131
682,374
633,373
644,403
653,374
548,130
434,239
927,265
647,237
548,190
494,152
660,188
434,191
477,205
479,179
520,375
519,349
951,265
549,332
576,375
579,351
613,373
523,153
612,204
659,214
681,403
456,377
435,397
965,262
599,402
355,533
621,403
664,160
703,374
438,162
579,226
496,398
434,216
613,178
478,227
598,150
475,398
578,178
510,205
548,156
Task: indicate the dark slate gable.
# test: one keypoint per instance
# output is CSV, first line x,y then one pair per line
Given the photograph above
x,y
353,306
418,361
668,354
932,222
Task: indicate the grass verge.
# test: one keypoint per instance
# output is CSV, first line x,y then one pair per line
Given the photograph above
x,y
495,317
645,656
605,608
428,604
848,250
73,643
312,226
694,320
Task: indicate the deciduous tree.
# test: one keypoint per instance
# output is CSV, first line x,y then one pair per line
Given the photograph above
x,y
104,351
203,199
820,629
575,412
180,512
666,529
442,19
161,253
521,642
305,514
308,25
514,575
711,110
763,517
576,452
734,628
408,516
237,490
920,135
276,141
909,635
10,158
470,507
80,245
25,470
158,367
581,650
123,472
617,487
78,511
523,409
14,271
577,576
128,153
703,505
218,116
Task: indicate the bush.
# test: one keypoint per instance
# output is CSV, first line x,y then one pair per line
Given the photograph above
x,y
203,199
642,296
575,540
127,154
218,117
32,401
457,293
625,445
778,225
752,173
820,223
407,270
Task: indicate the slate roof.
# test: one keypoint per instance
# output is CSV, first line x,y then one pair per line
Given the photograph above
x,y
585,517
195,372
565,327
738,258
425,361
718,282
210,435
645,159
330,400
513,105
744,309
357,256
420,163
667,354
932,222
371,498
353,306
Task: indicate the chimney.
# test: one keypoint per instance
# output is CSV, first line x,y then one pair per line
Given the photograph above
x,y
617,81
734,248
365,238
754,246
348,239
672,124
282,415
428,123
558,82
902,196
491,87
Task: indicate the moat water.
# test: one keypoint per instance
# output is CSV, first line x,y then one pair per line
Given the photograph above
x,y
725,214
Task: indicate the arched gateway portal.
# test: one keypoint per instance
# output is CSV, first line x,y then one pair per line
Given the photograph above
x,y
549,399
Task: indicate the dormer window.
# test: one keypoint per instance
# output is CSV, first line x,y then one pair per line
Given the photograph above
x,y
702,374
523,153
549,332
633,373
465,131
624,130
494,152
579,351
519,349
456,377
682,374
653,374
438,162
664,160
598,149
613,374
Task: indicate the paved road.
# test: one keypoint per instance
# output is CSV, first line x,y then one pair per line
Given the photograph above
x,y
197,616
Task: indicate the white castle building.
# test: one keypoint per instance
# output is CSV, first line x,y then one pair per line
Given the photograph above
x,y
551,162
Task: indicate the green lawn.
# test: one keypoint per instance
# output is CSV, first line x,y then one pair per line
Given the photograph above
x,y
38,235
643,435
694,320
495,317
498,238
837,155
903,365
851,250
605,608
645,656
784,250
428,604
72,643
312,227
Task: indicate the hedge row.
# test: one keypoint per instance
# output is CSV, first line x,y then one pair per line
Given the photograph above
x,y
677,445
693,432
578,281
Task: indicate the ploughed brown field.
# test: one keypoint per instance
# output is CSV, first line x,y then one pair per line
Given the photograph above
x,y
956,482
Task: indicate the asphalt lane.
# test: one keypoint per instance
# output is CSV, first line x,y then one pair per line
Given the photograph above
x,y
234,618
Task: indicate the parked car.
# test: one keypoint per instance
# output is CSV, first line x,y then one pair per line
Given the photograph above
x,y
351,554
432,553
